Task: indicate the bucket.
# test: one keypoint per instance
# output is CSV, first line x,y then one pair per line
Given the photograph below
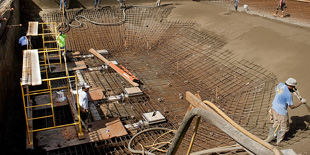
x,y
60,96
245,8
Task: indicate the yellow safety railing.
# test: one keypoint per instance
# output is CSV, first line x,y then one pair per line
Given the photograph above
x,y
48,32
50,49
26,93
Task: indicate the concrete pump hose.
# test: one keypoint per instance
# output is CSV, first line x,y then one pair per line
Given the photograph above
x,y
218,121
139,151
233,123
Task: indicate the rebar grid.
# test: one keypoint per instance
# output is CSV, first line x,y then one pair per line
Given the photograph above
x,y
171,58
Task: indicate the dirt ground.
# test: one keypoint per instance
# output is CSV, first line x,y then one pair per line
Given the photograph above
x,y
279,47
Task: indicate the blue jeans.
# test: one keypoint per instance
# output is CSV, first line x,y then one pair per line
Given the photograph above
x,y
63,50
96,1
65,1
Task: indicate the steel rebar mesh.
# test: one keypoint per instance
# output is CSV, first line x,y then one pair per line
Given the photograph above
x,y
171,58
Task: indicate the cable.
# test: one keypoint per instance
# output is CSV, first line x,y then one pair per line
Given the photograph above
x,y
77,17
152,146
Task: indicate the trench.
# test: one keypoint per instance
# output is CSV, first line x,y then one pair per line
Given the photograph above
x,y
170,58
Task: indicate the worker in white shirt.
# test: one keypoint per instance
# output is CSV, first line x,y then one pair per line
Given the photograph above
x,y
83,100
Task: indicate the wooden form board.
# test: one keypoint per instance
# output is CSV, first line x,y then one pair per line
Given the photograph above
x,y
68,136
133,91
113,128
96,94
123,74
32,29
31,74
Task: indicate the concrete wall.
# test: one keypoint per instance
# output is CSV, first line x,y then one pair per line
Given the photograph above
x,y
11,112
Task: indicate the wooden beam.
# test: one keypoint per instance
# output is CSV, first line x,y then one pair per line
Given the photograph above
x,y
117,69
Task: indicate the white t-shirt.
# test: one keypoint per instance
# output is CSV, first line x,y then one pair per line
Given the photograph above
x,y
83,98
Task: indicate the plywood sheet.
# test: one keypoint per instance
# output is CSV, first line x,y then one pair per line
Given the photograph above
x,y
68,136
72,66
133,91
114,128
96,94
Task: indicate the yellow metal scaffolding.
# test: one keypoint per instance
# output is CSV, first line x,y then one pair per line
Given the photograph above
x,y
50,49
28,107
48,32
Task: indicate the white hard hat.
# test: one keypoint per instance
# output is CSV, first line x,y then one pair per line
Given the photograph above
x,y
291,82
85,85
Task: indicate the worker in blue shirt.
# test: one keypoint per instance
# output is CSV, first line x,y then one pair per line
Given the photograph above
x,y
236,5
23,41
63,2
282,100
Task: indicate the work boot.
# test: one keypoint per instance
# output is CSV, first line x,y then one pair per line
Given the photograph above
x,y
281,16
280,137
275,15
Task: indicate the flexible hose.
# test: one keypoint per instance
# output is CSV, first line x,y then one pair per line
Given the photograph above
x,y
76,18
241,129
146,152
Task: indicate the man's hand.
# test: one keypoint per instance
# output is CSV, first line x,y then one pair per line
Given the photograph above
x,y
304,101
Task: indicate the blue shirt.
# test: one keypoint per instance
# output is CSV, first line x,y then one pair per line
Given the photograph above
x,y
282,100
23,40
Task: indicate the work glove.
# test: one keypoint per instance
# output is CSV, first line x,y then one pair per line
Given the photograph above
x,y
304,101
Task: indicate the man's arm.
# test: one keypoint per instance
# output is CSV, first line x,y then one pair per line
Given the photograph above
x,y
303,101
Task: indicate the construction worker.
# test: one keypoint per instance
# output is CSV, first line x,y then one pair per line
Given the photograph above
x,y
282,100
158,2
97,2
23,41
122,3
236,5
63,2
281,5
83,100
61,40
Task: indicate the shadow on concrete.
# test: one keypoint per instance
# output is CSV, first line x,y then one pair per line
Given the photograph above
x,y
75,4
298,123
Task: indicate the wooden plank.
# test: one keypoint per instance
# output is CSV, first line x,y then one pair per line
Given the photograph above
x,y
117,69
114,128
31,74
67,136
133,91
96,94
35,68
32,29
196,102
